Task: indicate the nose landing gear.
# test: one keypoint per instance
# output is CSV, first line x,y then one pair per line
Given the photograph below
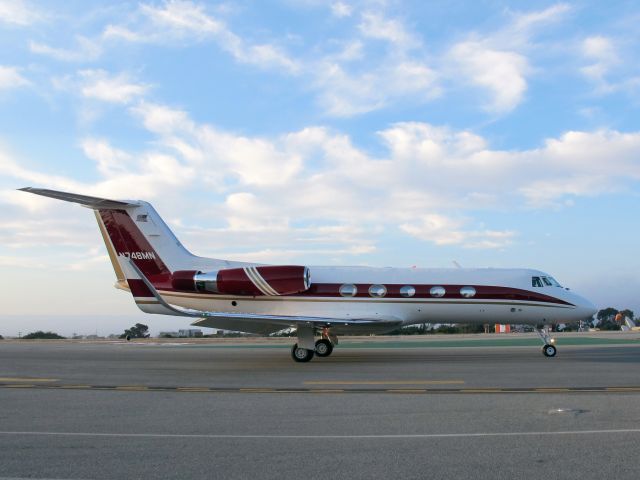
x,y
549,349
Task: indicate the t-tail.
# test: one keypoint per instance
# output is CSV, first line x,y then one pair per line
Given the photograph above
x,y
134,232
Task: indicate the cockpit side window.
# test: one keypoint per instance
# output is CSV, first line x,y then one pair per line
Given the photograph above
x,y
547,282
536,282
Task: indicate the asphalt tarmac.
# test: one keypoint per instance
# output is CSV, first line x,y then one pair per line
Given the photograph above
x,y
149,410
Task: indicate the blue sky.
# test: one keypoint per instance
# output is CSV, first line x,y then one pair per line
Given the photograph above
x,y
319,132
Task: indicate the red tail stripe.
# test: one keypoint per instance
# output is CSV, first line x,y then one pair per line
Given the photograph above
x,y
129,241
138,288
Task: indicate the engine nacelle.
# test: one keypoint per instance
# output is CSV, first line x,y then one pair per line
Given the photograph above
x,y
255,281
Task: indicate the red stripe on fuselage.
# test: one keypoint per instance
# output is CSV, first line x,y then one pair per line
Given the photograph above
x,y
483,293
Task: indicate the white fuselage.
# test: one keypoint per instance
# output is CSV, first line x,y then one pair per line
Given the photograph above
x,y
545,305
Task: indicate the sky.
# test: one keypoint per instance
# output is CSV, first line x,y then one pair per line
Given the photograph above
x,y
381,133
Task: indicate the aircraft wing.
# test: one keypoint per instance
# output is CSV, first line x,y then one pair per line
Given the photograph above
x,y
263,323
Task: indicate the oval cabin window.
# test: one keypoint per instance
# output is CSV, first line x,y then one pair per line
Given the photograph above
x,y
348,290
377,291
408,291
468,292
437,292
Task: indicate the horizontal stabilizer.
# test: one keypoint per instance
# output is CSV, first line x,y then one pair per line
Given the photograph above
x,y
91,202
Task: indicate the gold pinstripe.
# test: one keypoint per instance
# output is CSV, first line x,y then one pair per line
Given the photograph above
x,y
110,250
259,281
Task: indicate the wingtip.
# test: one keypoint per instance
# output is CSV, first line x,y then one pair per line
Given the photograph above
x,y
25,189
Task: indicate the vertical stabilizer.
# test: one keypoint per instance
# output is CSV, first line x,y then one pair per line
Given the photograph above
x,y
133,231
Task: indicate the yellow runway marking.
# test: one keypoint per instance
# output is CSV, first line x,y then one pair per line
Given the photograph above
x,y
24,379
406,390
409,389
481,390
385,382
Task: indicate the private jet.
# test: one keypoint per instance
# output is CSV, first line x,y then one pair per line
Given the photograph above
x,y
322,302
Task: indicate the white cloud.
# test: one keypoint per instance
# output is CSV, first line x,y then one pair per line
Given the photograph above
x,y
429,173
10,77
603,56
376,25
609,68
316,187
342,93
179,21
497,62
600,48
523,25
123,33
341,9
443,230
102,86
19,12
85,50
21,262
361,77
110,161
253,161
501,72
163,120
183,18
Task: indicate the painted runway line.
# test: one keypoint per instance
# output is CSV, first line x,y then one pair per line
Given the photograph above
x,y
384,382
622,431
280,390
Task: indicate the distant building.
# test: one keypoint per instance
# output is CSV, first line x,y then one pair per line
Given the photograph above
x,y
168,335
189,333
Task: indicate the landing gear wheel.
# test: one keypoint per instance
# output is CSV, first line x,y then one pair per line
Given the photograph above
x,y
300,354
549,350
324,347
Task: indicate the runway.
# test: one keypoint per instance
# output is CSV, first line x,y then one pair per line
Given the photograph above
x,y
118,410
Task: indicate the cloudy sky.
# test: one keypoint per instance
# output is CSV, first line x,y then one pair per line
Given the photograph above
x,y
381,133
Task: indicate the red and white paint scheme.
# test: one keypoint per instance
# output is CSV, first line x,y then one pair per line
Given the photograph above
x,y
165,278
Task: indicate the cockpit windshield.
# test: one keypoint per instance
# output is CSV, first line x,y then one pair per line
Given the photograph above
x,y
539,282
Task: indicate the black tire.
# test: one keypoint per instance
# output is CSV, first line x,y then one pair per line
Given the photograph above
x,y
128,337
549,350
324,347
301,354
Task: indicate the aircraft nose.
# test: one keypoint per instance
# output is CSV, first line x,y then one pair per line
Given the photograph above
x,y
584,308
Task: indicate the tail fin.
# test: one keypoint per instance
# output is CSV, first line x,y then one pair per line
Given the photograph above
x,y
134,230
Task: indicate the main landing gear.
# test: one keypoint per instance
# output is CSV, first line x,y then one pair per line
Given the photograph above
x,y
306,348
549,349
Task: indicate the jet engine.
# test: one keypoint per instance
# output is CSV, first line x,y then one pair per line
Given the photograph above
x,y
269,280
